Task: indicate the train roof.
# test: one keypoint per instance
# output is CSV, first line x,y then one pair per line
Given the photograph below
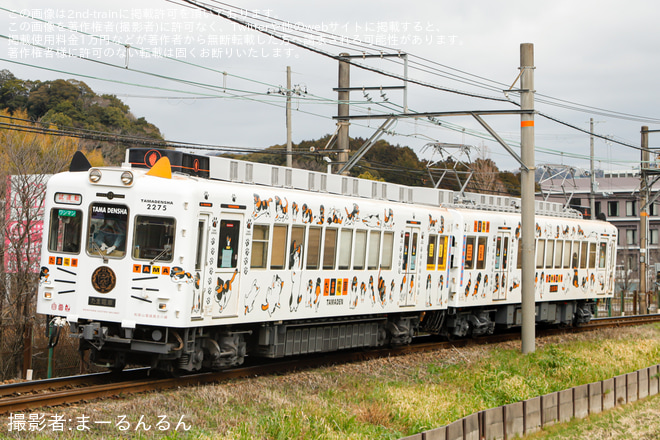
x,y
238,171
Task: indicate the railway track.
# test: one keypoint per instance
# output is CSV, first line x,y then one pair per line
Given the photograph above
x,y
53,392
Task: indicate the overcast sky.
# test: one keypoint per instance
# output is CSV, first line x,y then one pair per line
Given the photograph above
x,y
601,54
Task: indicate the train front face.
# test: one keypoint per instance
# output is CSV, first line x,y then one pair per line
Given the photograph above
x,y
113,262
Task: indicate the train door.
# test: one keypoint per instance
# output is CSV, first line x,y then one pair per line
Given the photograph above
x,y
225,283
410,267
501,268
203,268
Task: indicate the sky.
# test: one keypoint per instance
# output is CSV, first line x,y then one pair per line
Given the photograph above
x,y
204,79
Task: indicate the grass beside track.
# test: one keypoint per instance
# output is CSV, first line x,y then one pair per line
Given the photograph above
x,y
382,398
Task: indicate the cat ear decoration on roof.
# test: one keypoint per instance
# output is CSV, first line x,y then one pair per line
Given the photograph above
x,y
79,162
162,168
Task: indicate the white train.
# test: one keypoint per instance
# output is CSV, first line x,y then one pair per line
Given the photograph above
x,y
181,261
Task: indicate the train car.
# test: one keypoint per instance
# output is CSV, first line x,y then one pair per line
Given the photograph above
x,y
181,261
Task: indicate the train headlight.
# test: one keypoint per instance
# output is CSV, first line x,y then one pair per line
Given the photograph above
x,y
94,175
127,177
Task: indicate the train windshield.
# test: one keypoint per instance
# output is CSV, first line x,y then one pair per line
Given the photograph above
x,y
154,238
107,230
65,229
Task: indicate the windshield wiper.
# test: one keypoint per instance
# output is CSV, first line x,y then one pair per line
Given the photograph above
x,y
163,252
100,252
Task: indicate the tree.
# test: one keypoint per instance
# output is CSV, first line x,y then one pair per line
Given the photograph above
x,y
486,176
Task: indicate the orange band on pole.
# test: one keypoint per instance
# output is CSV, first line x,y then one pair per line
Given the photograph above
x,y
526,123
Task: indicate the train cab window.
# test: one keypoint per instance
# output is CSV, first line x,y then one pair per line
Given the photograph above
x,y
278,248
260,237
592,255
469,253
431,252
313,248
296,246
481,252
374,250
583,255
65,230
106,235
602,253
540,253
229,241
345,249
387,251
360,250
559,249
154,238
549,253
329,248
442,252
567,255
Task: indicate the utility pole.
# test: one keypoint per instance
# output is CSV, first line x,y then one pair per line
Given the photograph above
x,y
528,332
289,149
643,214
343,109
592,192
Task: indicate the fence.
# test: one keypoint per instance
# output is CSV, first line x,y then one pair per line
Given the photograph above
x,y
529,416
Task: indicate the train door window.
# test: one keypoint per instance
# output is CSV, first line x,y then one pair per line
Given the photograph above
x,y
229,236
540,253
549,253
107,230
481,252
65,230
260,239
201,226
559,249
469,253
442,252
592,255
296,246
329,248
278,247
387,251
583,255
154,238
431,252
567,254
520,252
602,253
313,248
360,250
374,250
345,249
505,253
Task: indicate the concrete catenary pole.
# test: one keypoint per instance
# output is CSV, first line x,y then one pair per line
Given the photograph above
x,y
643,216
527,195
289,156
343,109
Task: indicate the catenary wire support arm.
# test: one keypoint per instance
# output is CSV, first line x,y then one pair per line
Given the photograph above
x,y
500,140
367,145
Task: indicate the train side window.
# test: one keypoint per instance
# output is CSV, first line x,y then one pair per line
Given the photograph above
x,y
567,255
387,251
107,230
575,258
374,250
549,253
260,236
481,252
469,253
228,249
278,247
360,250
592,255
313,248
540,253
154,238
65,230
296,246
583,255
442,253
329,248
602,253
345,249
431,252
559,249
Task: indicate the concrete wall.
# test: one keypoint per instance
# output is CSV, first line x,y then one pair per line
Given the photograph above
x,y
520,418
